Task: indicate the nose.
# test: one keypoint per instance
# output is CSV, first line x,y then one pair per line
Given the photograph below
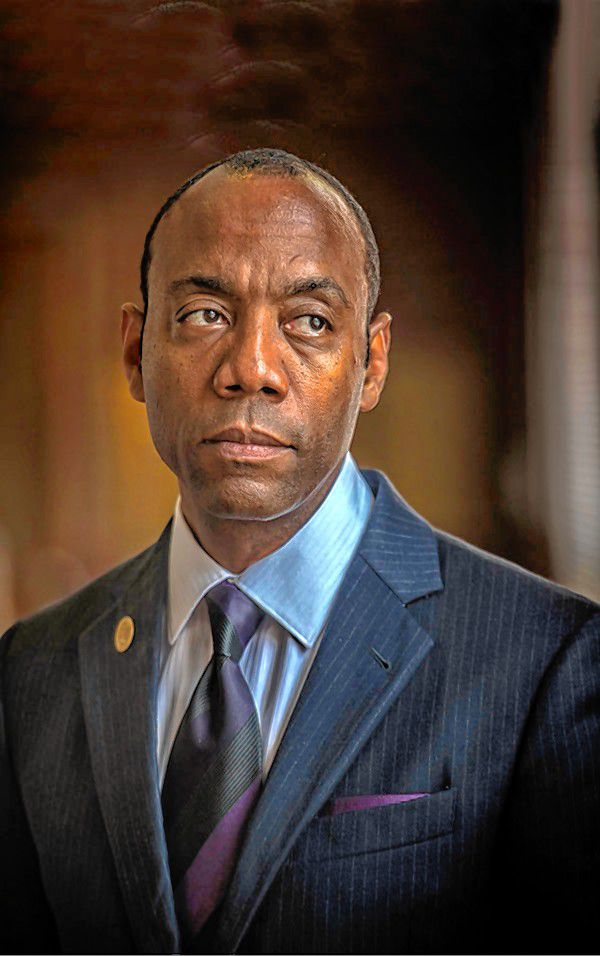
x,y
252,360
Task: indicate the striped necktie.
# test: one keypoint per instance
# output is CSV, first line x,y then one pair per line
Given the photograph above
x,y
214,773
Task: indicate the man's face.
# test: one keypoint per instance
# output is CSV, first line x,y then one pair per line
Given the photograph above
x,y
255,341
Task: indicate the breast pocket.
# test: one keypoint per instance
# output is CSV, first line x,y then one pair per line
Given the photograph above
x,y
357,832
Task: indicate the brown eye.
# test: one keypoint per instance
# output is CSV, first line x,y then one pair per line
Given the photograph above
x,y
203,317
310,325
211,315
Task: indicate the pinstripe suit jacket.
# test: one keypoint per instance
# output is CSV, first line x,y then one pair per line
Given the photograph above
x,y
442,671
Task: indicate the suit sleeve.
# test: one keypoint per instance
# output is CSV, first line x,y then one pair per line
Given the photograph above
x,y
550,838
26,921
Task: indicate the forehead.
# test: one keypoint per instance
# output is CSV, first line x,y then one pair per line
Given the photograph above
x,y
274,225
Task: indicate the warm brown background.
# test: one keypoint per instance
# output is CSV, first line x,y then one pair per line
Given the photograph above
x,y
434,114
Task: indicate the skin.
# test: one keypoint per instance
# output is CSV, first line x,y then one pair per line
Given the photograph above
x,y
257,350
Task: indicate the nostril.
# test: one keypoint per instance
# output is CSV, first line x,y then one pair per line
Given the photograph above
x,y
268,390
233,388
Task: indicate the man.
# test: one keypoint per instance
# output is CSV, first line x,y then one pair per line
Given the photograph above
x,y
302,721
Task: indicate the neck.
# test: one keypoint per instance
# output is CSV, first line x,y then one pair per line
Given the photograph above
x,y
236,543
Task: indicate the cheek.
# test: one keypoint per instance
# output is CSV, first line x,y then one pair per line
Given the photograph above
x,y
168,376
331,400
169,394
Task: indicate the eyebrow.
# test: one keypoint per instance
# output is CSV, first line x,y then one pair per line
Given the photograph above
x,y
315,284
299,287
211,283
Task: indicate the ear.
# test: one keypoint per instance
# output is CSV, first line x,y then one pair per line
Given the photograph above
x,y
380,337
132,324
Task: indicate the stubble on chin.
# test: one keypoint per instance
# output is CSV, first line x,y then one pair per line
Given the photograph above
x,y
242,496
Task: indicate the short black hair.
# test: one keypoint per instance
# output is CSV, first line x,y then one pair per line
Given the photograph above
x,y
280,163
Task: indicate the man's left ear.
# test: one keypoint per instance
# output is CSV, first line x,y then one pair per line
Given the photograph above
x,y
380,337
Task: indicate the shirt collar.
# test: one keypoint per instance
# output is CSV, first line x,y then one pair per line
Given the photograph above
x,y
296,584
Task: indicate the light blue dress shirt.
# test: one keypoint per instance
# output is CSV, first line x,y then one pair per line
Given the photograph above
x,y
295,586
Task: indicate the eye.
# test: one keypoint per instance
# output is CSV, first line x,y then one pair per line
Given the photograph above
x,y
203,317
310,324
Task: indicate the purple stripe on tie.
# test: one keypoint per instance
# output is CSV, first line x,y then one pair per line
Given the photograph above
x,y
197,739
206,879
367,802
241,611
234,707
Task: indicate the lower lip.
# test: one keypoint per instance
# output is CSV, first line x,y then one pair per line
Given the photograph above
x,y
237,451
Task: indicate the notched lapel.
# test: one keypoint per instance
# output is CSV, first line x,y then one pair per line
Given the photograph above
x,y
346,696
119,700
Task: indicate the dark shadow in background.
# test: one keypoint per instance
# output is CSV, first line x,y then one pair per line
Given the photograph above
x,y
432,112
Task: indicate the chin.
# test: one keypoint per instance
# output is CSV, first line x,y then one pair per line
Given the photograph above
x,y
244,498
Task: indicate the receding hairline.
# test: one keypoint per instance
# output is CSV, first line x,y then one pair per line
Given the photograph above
x,y
317,185
277,162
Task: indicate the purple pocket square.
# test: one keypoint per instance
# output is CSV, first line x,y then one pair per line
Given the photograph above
x,y
367,802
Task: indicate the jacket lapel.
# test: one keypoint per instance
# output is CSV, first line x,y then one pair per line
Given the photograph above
x,y
119,701
346,695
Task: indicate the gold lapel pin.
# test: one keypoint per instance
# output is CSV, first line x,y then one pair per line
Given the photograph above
x,y
124,632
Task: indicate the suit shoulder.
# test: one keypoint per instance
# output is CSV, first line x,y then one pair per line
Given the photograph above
x,y
468,588
57,625
466,566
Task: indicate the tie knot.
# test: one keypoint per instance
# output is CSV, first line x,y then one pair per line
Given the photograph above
x,y
233,619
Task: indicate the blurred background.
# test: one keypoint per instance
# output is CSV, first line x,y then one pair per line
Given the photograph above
x,y
469,131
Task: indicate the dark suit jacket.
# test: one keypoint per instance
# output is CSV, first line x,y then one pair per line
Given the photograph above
x,y
442,670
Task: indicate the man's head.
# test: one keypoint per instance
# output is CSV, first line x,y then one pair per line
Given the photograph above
x,y
259,277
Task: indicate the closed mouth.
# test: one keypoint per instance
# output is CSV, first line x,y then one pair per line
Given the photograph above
x,y
248,438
